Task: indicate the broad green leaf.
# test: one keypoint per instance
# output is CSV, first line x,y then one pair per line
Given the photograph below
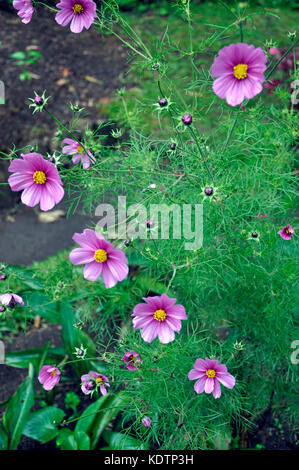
x,y
69,443
88,416
42,424
27,277
113,405
34,54
17,412
18,55
120,441
83,440
62,435
41,304
22,359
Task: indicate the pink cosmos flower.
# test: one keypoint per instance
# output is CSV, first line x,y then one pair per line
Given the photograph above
x,y
132,358
159,316
49,376
239,72
10,300
92,381
209,373
25,9
100,258
287,232
75,148
38,178
81,13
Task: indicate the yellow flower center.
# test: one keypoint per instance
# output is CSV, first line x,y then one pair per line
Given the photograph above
x,y
240,71
160,315
53,372
78,8
100,256
99,381
211,373
80,149
40,177
287,231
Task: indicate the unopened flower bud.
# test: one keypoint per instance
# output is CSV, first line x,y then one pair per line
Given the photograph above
x,y
187,119
209,191
38,100
146,421
163,102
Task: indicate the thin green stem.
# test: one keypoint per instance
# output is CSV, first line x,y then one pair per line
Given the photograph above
x,y
269,73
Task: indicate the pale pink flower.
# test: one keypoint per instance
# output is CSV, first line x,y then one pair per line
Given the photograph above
x,y
11,300
25,10
75,148
159,316
49,376
239,72
209,373
100,258
93,381
38,178
81,14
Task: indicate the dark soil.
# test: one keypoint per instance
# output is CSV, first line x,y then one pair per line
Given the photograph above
x,y
78,68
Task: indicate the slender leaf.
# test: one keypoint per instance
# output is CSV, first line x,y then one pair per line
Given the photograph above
x,y
113,406
17,412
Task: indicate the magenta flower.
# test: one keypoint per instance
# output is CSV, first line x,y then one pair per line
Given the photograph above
x,y
159,316
39,180
209,373
146,421
49,376
11,300
132,359
75,148
239,72
25,9
287,232
81,13
93,381
100,258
